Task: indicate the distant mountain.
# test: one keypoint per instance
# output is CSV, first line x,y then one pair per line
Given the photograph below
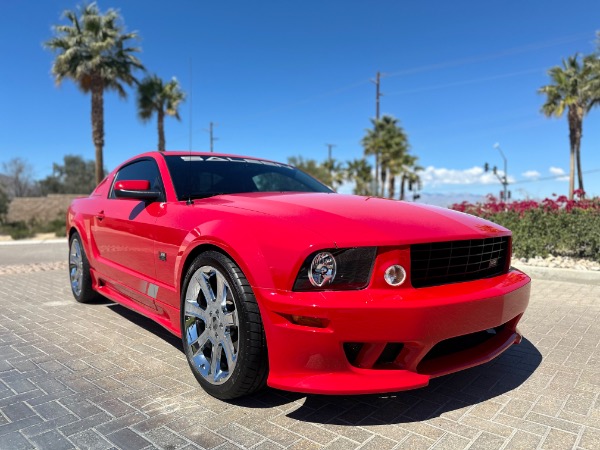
x,y
445,200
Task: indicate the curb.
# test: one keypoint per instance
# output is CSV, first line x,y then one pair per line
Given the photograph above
x,y
35,242
589,277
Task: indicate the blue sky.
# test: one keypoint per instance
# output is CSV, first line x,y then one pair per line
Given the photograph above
x,y
283,78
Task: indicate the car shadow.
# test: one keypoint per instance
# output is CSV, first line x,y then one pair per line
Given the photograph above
x,y
443,395
147,324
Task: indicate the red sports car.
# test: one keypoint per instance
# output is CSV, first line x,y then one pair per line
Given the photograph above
x,y
269,277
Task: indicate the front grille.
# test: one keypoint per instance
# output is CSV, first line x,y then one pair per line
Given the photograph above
x,y
456,261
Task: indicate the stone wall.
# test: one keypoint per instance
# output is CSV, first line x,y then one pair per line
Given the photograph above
x,y
42,209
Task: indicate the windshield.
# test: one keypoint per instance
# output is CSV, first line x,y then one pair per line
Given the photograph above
x,y
205,176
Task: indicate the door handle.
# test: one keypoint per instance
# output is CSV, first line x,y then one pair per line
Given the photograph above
x,y
100,216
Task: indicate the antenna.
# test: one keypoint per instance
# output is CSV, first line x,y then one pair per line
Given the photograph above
x,y
189,169
191,101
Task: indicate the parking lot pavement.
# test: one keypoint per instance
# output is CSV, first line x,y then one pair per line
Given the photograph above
x,y
98,376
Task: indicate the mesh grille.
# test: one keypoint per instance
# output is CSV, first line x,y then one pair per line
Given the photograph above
x,y
456,261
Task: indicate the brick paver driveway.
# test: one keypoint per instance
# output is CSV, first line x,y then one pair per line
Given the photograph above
x,y
99,376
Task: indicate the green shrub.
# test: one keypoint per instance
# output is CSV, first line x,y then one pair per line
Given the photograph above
x,y
18,230
56,226
557,227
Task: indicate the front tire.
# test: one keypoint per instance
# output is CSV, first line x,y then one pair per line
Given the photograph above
x,y
79,271
222,332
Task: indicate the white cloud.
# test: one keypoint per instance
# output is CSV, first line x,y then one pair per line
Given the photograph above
x,y
531,174
439,176
559,173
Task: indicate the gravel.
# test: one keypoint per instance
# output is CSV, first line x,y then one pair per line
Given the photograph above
x,y
559,262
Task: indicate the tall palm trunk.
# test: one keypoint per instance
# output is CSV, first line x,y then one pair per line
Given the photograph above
x,y
578,150
383,178
402,183
98,126
392,186
575,131
161,130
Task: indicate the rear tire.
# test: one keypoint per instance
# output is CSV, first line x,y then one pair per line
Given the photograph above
x,y
79,271
222,332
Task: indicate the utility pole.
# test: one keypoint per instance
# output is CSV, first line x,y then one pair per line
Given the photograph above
x,y
329,147
211,136
378,94
505,182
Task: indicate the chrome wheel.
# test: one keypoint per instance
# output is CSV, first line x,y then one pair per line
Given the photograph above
x,y
76,267
211,325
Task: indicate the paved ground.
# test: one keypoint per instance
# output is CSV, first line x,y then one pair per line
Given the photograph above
x,y
98,376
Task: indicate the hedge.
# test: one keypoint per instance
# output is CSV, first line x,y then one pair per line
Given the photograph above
x,y
557,226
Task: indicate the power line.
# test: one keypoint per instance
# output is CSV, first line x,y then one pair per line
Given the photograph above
x,y
466,82
553,177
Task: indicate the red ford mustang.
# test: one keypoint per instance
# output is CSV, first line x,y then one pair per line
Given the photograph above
x,y
269,277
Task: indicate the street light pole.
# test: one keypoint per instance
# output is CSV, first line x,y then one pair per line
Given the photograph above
x,y
505,181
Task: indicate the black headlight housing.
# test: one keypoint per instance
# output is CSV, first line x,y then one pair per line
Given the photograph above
x,y
352,269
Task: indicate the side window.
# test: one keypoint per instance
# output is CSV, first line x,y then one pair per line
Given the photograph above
x,y
145,169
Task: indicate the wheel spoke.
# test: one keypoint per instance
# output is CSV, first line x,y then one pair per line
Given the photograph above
x,y
192,292
73,260
229,319
215,363
228,347
209,296
221,297
200,341
193,309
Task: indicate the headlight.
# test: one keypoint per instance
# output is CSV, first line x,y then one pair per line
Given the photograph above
x,y
322,269
336,269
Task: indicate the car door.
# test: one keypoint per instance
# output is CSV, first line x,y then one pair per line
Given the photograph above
x,y
123,232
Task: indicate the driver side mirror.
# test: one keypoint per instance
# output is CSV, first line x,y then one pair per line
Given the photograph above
x,y
136,189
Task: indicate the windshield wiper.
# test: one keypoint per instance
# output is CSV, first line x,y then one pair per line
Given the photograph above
x,y
200,195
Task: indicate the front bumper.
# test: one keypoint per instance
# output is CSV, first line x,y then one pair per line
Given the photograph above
x,y
313,359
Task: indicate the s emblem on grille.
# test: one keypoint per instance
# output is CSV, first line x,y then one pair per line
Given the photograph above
x,y
493,262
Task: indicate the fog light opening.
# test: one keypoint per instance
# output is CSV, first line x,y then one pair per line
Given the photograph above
x,y
305,321
395,275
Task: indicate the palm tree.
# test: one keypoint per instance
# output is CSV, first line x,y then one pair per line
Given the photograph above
x,y
360,172
93,51
155,96
389,142
410,175
572,89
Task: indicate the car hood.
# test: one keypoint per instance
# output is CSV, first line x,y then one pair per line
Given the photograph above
x,y
351,220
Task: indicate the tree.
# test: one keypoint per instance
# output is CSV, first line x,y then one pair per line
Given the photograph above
x,y
155,96
4,201
360,172
93,52
75,176
388,140
320,171
410,176
19,178
572,89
